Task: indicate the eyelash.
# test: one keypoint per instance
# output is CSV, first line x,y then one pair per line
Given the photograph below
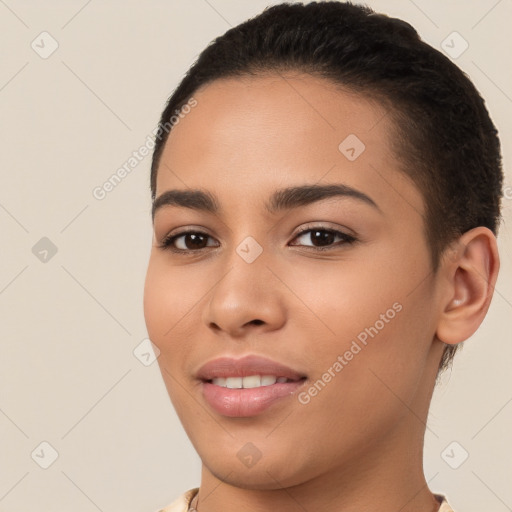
x,y
167,243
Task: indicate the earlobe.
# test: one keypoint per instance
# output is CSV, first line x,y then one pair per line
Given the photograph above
x,y
471,275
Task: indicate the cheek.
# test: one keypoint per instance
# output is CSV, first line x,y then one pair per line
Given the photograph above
x,y
362,389
375,325
342,299
163,308
173,297
382,364
170,294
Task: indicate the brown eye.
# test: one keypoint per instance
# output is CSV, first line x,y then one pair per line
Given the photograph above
x,y
324,238
187,241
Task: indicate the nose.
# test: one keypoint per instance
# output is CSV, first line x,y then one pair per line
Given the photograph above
x,y
247,299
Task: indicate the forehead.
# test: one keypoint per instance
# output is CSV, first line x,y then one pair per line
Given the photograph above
x,y
251,135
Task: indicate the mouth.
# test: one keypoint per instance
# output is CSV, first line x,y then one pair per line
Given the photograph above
x,y
248,386
249,382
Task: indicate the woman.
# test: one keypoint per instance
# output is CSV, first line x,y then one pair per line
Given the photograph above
x,y
326,194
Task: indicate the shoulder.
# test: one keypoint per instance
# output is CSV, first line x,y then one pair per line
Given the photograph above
x,y
445,507
181,504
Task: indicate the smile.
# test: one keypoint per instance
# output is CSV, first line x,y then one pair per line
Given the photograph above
x,y
248,386
249,382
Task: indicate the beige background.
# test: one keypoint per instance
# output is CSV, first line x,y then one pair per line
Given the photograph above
x,y
70,324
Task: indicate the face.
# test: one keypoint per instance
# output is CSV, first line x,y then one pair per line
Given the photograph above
x,y
305,262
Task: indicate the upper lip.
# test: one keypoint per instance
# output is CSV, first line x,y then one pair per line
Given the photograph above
x,y
245,366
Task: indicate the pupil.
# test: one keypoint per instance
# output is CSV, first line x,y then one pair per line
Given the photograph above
x,y
196,241
326,239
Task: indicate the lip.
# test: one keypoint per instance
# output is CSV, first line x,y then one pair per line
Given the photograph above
x,y
245,366
252,401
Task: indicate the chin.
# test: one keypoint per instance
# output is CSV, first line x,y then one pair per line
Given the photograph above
x,y
281,469
254,478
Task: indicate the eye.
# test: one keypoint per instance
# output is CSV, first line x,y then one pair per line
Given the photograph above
x,y
191,241
324,238
186,242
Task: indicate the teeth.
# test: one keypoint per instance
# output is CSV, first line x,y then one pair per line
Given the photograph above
x,y
251,381
268,380
234,382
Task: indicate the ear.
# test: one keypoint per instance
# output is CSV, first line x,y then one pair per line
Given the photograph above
x,y
470,272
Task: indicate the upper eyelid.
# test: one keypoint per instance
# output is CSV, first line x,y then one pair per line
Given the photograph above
x,y
319,227
305,228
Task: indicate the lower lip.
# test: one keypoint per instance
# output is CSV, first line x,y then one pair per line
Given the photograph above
x,y
240,403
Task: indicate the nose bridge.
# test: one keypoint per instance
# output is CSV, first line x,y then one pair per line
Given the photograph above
x,y
246,264
246,292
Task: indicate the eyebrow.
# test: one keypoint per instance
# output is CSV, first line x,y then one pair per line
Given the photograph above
x,y
282,199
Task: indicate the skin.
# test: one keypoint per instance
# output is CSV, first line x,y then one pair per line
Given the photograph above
x,y
358,444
